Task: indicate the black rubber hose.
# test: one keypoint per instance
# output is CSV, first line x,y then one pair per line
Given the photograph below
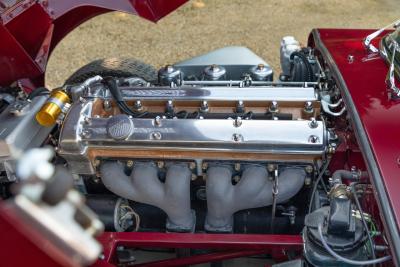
x,y
38,92
321,174
58,186
309,77
111,84
338,175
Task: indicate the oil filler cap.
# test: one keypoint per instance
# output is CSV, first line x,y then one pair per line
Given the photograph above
x,y
119,127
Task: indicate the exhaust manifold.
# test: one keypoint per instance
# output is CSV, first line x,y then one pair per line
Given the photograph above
x,y
143,185
254,190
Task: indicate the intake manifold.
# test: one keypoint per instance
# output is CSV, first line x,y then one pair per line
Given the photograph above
x,y
254,190
143,185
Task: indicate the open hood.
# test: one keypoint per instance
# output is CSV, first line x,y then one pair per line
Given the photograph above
x,y
30,29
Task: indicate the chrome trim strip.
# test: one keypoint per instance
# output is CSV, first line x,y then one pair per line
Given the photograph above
x,y
291,94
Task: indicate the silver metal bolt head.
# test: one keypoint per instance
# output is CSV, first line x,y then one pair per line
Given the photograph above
x,y
129,163
192,165
87,120
86,133
237,122
308,107
274,106
157,121
204,106
237,137
156,135
350,58
138,105
313,123
313,139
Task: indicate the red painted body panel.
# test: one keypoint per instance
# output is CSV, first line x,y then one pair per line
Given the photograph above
x,y
230,245
365,80
29,30
22,246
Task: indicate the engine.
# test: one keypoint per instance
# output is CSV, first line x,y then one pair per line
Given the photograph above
x,y
209,133
212,145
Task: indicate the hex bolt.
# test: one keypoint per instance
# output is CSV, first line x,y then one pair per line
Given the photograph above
x,y
204,106
350,59
129,163
204,166
87,120
333,136
236,178
332,148
237,122
107,104
308,107
194,177
160,164
274,107
313,139
313,123
138,105
157,121
237,137
192,165
86,133
240,108
156,135
309,169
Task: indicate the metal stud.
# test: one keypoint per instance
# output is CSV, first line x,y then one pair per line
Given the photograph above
x,y
308,107
237,122
156,135
138,105
274,107
240,108
237,137
204,106
313,123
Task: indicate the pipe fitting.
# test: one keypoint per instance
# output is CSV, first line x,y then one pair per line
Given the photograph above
x,y
339,175
144,186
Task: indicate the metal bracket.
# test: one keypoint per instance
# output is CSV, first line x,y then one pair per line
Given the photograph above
x,y
326,106
367,41
394,91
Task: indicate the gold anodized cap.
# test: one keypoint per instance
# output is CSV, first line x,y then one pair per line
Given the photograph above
x,y
51,110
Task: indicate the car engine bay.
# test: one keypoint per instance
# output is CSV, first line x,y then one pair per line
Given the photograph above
x,y
212,144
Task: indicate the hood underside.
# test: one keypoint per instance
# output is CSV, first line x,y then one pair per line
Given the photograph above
x,y
29,29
